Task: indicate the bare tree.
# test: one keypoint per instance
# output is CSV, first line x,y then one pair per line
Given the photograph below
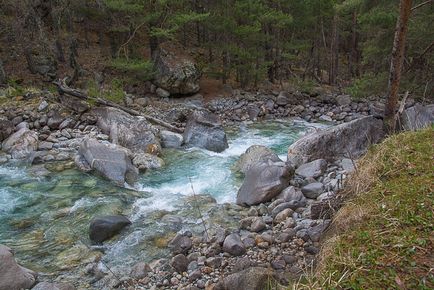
x,y
396,64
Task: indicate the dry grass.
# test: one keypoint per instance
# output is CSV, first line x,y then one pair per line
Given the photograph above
x,y
382,238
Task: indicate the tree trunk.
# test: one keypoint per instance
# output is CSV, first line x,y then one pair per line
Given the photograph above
x,y
396,65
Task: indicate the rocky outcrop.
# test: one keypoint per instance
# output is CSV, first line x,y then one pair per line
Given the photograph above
x,y
41,61
12,275
417,117
204,130
111,161
176,72
263,182
254,278
104,227
254,155
22,144
131,132
348,139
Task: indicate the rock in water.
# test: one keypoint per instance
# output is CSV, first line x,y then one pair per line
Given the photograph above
x,y
352,138
176,72
145,161
131,132
417,117
12,275
263,182
255,155
254,278
233,245
104,227
204,130
111,161
21,144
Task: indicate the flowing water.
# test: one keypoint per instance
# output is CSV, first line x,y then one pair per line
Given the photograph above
x,y
45,219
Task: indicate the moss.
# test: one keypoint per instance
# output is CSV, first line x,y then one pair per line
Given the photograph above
x,y
390,247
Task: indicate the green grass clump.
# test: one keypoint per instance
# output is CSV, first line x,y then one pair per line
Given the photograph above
x,y
140,69
382,238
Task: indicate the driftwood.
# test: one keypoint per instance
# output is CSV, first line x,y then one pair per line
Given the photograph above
x,y
64,89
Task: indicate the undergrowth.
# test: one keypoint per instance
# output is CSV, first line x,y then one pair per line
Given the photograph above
x,y
382,238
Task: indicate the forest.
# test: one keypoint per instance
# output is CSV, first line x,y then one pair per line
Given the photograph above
x,y
346,44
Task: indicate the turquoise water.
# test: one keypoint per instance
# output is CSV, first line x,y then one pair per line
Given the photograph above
x,y
45,219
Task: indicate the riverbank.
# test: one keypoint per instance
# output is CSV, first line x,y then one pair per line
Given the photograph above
x,y
279,230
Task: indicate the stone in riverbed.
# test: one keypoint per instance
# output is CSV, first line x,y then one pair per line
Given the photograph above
x,y
53,286
111,161
6,129
262,183
258,225
12,275
145,161
170,139
254,278
204,130
140,270
255,155
233,245
180,244
22,144
104,227
179,263
312,190
312,169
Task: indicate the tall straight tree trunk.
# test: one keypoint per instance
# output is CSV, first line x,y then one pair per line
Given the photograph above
x,y
396,65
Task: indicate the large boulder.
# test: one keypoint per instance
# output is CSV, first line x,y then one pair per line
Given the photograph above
x,y
145,161
104,227
6,129
21,144
109,160
175,72
170,139
131,132
204,130
348,139
12,275
417,117
263,182
254,278
255,155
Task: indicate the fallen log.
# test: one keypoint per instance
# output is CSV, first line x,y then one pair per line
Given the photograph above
x,y
64,89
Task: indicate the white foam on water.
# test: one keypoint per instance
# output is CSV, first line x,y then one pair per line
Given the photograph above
x,y
12,172
8,201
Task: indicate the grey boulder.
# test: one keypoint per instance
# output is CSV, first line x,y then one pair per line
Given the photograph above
x,y
12,275
255,155
145,161
263,182
312,169
417,117
176,72
104,227
233,245
180,244
254,278
312,190
131,132
204,130
21,144
6,129
170,139
350,139
111,161
53,286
